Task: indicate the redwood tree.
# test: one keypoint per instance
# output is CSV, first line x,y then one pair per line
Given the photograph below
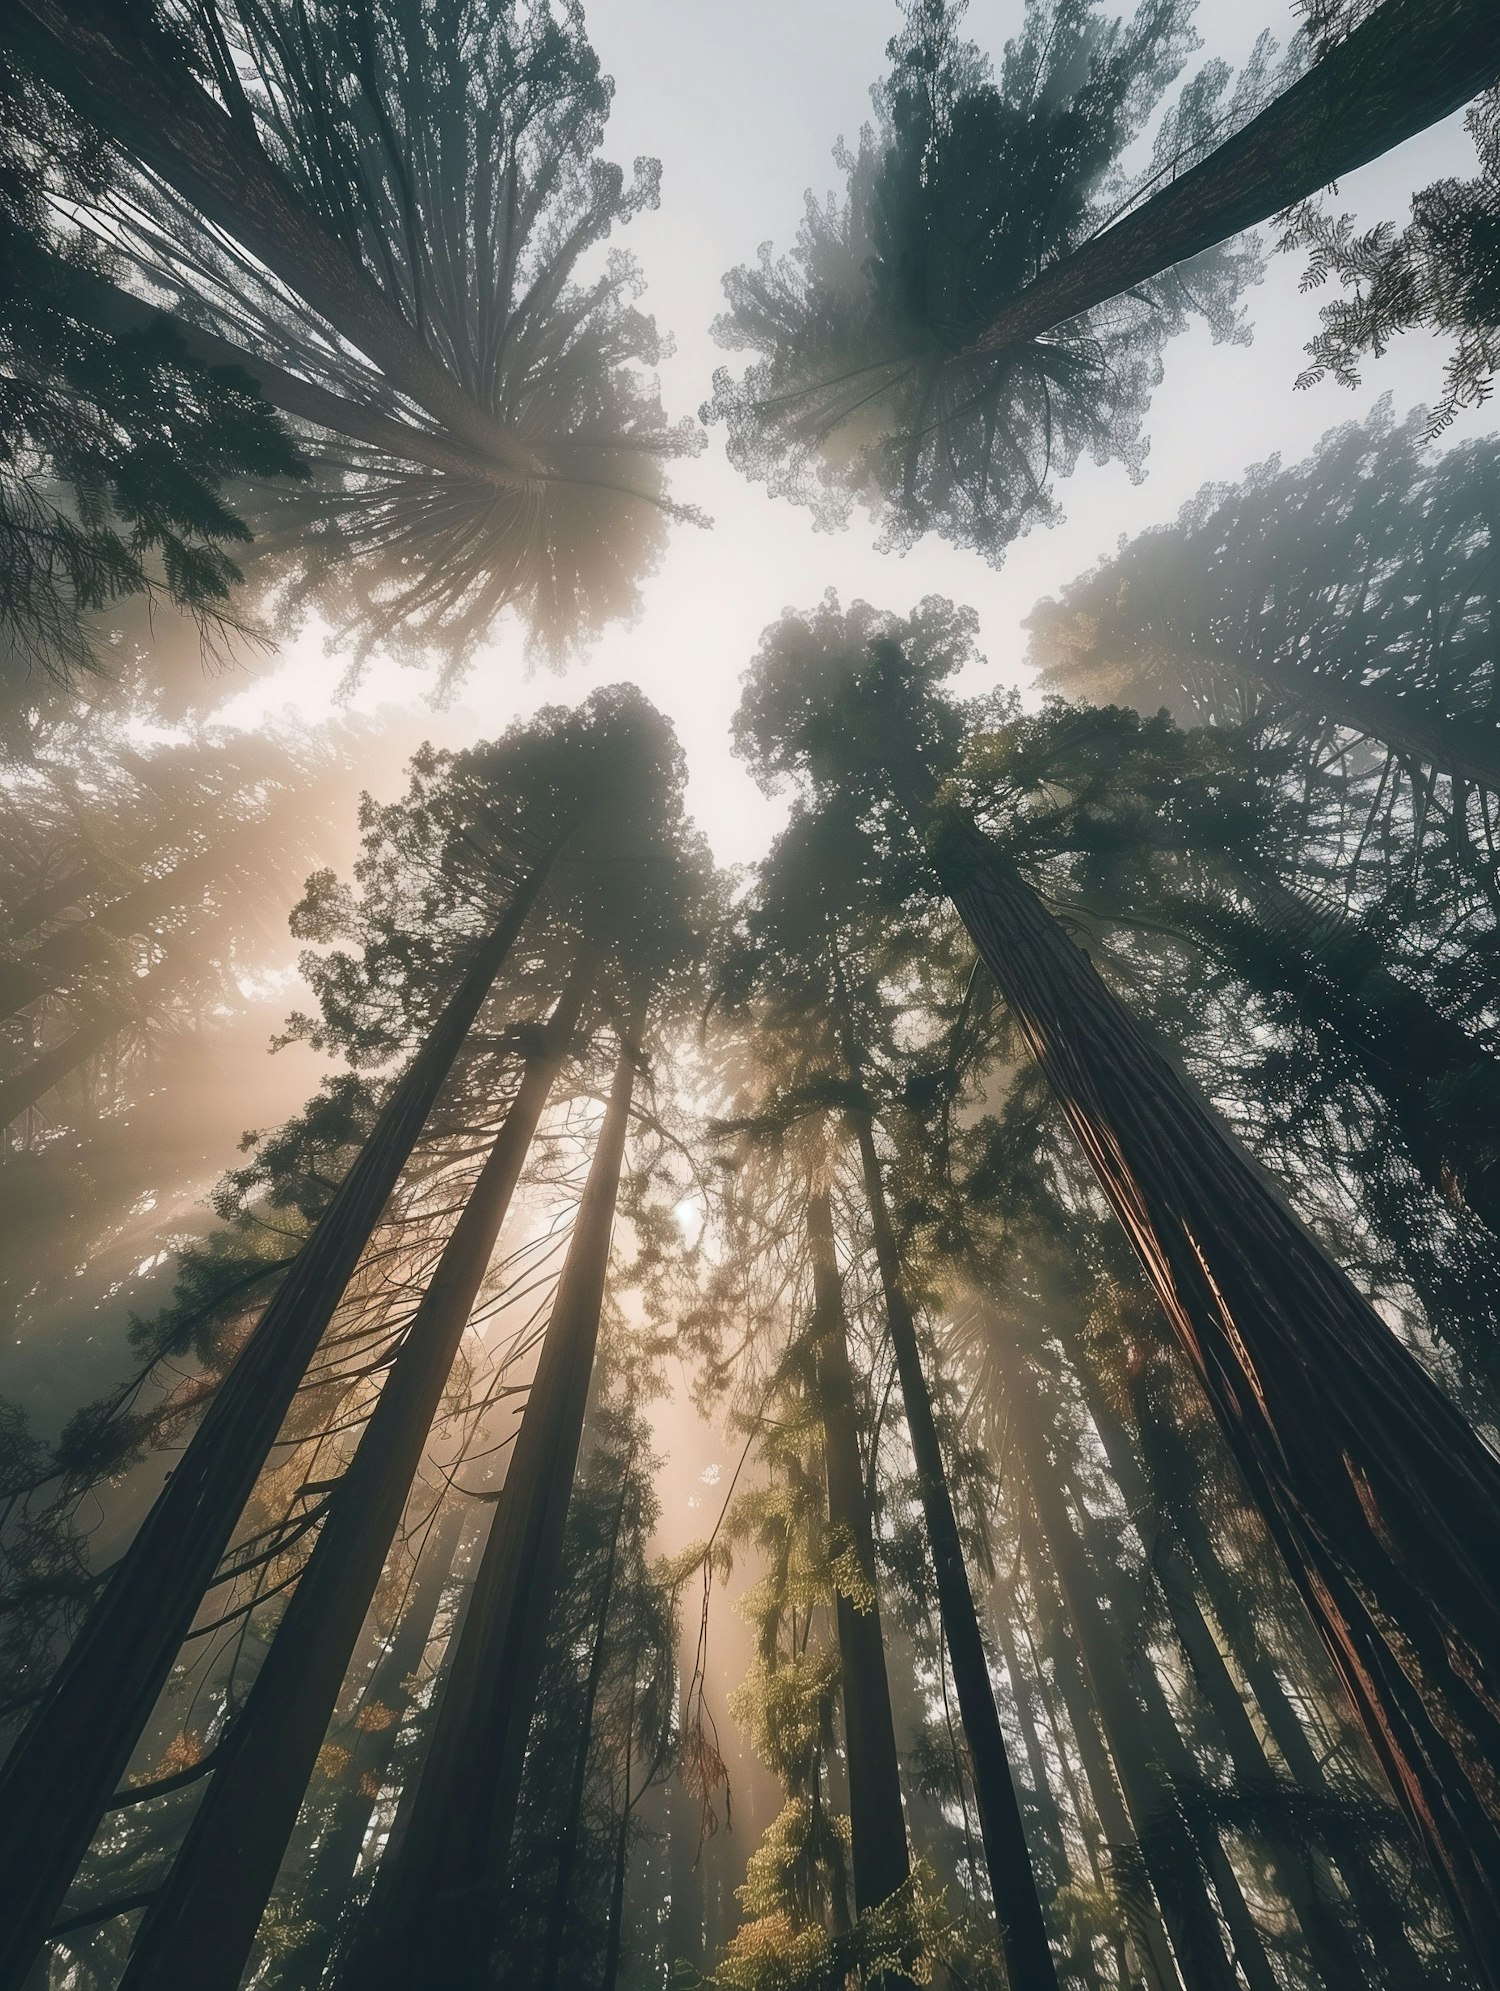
x,y
1382,1499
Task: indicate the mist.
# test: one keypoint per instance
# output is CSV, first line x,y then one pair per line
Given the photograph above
x,y
749,921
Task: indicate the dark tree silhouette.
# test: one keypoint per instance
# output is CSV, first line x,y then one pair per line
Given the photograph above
x,y
568,772
118,447
1358,587
1384,1502
975,315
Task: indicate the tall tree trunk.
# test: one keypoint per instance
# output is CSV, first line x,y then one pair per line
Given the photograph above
x,y
203,1922
132,88
1018,1908
1443,1089
1157,1827
330,1873
439,1897
1146,1919
687,1929
1405,68
1039,1799
1376,1908
615,1924
880,1860
567,1852
64,1769
1383,1501
1329,1948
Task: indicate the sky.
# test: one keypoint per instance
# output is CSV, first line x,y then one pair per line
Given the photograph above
x,y
743,105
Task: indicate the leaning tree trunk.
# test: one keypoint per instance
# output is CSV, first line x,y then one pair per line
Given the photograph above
x,y
133,89
1376,1907
63,1771
880,1860
1383,1501
1140,1909
1050,1540
572,1832
1405,68
438,1899
1329,1947
324,1887
203,1922
1018,1908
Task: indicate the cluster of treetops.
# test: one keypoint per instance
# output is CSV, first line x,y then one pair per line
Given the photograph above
x,y
1067,1167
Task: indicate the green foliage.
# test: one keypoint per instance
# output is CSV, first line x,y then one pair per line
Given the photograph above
x,y
116,446
1439,274
911,1937
450,153
967,186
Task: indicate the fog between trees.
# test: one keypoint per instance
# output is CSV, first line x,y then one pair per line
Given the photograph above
x,y
919,1410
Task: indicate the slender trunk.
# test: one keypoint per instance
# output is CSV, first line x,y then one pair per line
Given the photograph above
x,y
1329,1947
1156,1826
880,1859
687,1931
1442,1089
329,1879
567,1854
1377,1911
1405,68
439,1897
1018,1908
610,1976
150,105
31,1084
1383,1501
65,1767
203,1921
1146,1919
1039,1799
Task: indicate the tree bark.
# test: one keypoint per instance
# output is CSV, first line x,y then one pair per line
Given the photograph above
x,y
880,1860
330,1875
1382,1500
1018,1908
1377,1910
64,1769
439,1897
1329,1947
567,1852
1157,1828
1405,68
203,1921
